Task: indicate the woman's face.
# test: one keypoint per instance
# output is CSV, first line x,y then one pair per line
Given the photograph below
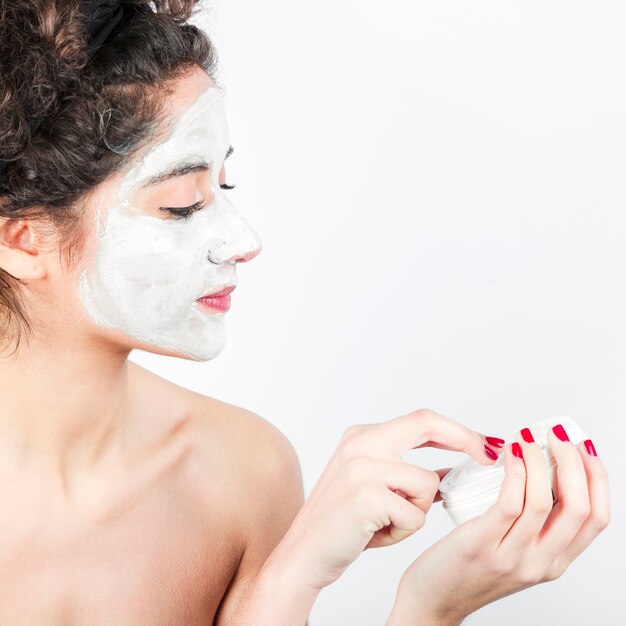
x,y
149,262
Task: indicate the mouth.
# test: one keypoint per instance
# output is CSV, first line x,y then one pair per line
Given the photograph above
x,y
224,291
217,300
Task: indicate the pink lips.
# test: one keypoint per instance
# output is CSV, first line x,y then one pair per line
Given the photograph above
x,y
218,300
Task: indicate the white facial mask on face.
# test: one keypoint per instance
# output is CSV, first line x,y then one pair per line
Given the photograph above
x,y
148,272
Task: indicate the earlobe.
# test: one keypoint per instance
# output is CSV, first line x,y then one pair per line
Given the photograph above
x,y
18,256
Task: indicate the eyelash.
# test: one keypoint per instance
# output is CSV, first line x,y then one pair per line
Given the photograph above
x,y
185,212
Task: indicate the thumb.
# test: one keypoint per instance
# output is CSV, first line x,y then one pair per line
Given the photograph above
x,y
442,472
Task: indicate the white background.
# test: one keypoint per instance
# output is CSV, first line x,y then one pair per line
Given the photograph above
x,y
439,187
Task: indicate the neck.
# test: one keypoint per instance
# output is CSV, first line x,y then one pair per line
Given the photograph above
x,y
64,404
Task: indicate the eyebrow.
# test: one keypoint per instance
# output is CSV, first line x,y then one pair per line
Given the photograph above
x,y
181,170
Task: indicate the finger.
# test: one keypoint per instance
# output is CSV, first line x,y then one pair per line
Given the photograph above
x,y
427,428
403,518
442,474
417,484
573,506
537,503
501,515
600,514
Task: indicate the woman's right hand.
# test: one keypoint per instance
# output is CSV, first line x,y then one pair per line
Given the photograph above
x,y
367,497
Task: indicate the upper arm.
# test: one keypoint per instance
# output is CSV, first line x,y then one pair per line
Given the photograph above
x,y
273,493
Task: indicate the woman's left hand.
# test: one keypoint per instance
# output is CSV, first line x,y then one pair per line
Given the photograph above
x,y
520,541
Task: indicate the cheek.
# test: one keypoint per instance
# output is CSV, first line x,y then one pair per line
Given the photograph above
x,y
151,262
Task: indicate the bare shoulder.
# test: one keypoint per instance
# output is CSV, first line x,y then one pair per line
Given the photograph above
x,y
266,486
256,451
263,472
233,447
240,473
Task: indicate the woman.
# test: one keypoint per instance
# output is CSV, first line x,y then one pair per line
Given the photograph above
x,y
128,499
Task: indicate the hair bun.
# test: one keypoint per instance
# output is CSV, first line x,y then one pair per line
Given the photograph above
x,y
101,18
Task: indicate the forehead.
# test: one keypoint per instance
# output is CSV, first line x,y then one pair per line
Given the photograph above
x,y
193,102
192,129
185,91
196,133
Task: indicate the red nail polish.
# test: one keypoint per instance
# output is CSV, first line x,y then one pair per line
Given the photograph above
x,y
490,453
527,436
516,449
559,431
495,441
590,448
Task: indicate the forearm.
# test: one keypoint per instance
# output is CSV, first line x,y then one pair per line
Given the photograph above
x,y
277,597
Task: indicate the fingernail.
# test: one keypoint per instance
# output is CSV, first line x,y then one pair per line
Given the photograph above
x,y
559,431
590,448
516,449
490,453
495,441
527,436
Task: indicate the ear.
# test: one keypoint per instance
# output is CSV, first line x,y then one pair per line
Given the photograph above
x,y
19,254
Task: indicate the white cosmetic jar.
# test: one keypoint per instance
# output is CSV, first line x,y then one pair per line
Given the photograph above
x,y
470,488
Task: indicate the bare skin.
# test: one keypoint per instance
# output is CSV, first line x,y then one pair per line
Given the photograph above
x,y
156,537
125,499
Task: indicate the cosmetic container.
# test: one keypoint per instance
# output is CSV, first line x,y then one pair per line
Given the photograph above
x,y
470,488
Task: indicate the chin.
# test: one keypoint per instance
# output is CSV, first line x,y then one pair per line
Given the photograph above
x,y
199,348
193,338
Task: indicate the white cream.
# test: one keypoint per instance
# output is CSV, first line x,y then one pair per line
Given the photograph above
x,y
148,272
470,488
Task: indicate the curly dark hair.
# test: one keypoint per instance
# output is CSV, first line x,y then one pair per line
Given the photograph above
x,y
96,113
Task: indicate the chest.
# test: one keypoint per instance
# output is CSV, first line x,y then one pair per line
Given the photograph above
x,y
157,560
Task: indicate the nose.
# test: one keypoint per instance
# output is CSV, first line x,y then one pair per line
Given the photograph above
x,y
240,258
232,239
248,256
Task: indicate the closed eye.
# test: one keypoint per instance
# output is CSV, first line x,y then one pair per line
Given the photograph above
x,y
185,212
